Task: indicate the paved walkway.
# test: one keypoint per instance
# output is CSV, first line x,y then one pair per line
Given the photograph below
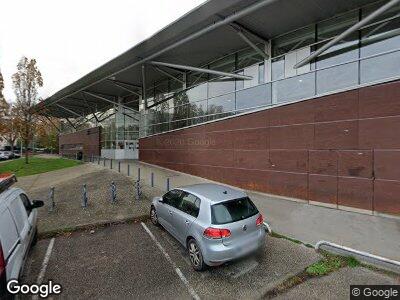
x,y
301,221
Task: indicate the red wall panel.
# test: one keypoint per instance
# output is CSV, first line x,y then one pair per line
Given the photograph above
x,y
338,149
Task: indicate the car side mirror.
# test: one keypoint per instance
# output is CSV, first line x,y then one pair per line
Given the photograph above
x,y
37,204
160,199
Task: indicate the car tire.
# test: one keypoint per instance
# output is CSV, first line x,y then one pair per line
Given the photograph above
x,y
153,216
195,256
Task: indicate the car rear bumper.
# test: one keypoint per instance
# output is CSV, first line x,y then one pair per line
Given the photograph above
x,y
215,254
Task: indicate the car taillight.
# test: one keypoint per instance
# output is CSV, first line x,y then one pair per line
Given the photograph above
x,y
2,261
216,233
260,220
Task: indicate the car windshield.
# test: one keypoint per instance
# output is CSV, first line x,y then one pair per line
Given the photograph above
x,y
232,211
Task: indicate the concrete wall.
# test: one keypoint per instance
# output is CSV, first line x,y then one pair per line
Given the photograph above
x,y
341,150
86,141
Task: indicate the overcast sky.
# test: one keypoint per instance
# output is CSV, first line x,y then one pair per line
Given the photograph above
x,y
70,38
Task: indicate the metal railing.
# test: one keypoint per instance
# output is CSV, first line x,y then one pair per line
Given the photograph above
x,y
273,98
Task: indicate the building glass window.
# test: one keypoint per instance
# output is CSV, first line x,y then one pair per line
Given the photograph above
x,y
278,68
293,88
261,73
346,75
221,104
254,97
293,40
220,86
198,92
248,57
368,55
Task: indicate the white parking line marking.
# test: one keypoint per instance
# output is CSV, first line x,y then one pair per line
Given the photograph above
x,y
45,261
177,270
44,265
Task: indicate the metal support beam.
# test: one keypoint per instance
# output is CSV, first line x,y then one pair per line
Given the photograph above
x,y
52,123
105,118
130,117
169,75
70,123
133,86
68,110
251,44
144,96
202,70
91,109
347,32
250,32
127,89
228,20
109,101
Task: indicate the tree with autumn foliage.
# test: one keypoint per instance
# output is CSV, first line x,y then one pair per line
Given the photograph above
x,y
47,133
8,121
3,102
26,82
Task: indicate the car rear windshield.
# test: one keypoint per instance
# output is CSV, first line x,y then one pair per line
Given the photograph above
x,y
232,211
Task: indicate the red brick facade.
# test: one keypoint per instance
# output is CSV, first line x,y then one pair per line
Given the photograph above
x,y
86,141
342,149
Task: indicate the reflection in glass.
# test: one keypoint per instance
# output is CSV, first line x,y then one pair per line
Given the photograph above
x,y
255,96
380,67
278,68
248,57
380,38
221,104
197,93
181,108
338,77
220,87
293,41
197,108
293,88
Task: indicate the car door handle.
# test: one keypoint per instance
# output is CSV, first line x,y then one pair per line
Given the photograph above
x,y
170,212
187,222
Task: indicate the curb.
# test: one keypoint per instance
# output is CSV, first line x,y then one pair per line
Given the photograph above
x,y
84,227
365,257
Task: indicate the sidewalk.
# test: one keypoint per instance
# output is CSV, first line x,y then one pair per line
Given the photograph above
x,y
301,221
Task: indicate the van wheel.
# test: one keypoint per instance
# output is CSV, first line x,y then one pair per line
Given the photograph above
x,y
35,238
195,255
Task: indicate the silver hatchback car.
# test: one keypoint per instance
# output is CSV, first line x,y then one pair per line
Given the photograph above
x,y
215,223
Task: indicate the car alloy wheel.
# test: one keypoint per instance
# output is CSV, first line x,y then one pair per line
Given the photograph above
x,y
153,216
196,258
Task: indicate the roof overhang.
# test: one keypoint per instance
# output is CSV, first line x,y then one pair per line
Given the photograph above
x,y
174,44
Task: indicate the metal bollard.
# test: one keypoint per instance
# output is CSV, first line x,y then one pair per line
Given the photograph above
x,y
104,162
92,160
84,196
51,200
111,164
167,184
152,179
98,160
138,189
138,175
129,170
113,192
119,166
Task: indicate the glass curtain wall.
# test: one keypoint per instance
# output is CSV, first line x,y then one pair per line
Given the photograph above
x,y
370,55
120,130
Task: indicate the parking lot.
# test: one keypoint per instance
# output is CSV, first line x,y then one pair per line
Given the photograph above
x,y
142,261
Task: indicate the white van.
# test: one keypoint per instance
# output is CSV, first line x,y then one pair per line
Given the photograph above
x,y
18,229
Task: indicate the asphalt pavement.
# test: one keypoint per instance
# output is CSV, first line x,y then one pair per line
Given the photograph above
x,y
141,261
